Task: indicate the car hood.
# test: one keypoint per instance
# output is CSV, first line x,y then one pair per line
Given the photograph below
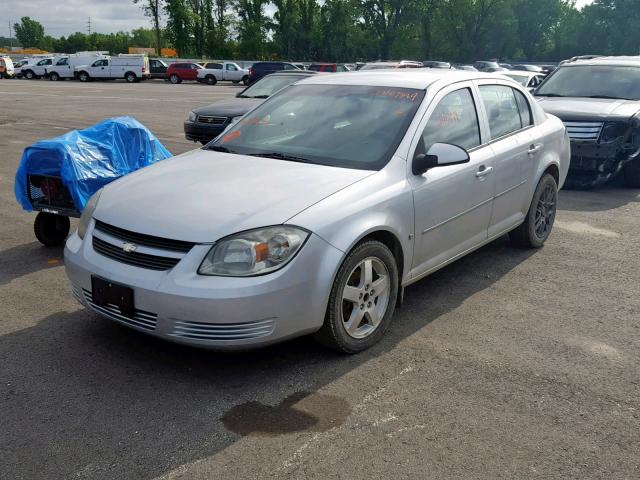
x,y
202,195
580,109
230,108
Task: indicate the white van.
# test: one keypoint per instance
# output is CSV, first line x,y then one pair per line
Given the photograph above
x,y
36,67
6,67
132,68
64,65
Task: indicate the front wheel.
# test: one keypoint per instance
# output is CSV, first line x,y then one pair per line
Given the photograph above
x,y
51,230
542,213
362,300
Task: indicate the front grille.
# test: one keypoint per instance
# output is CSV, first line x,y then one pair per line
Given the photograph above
x,y
212,120
584,131
231,331
140,319
144,260
144,240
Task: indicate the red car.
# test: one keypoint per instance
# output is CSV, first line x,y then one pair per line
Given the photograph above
x,y
328,67
178,72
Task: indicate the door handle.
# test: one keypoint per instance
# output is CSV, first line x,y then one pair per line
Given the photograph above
x,y
484,171
533,149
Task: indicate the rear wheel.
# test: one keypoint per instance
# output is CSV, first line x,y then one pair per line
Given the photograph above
x,y
130,77
632,174
211,79
245,80
175,79
54,77
362,300
542,213
51,230
83,77
29,75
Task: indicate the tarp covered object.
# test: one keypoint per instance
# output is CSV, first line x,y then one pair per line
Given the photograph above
x,y
88,159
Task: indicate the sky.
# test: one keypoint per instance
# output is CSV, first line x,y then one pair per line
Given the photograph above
x,y
62,17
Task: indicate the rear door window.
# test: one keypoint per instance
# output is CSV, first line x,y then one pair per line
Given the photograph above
x,y
502,109
526,118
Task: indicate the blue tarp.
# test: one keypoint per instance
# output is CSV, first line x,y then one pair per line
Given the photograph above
x,y
88,159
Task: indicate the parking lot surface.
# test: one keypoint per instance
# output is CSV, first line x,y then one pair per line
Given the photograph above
x,y
506,364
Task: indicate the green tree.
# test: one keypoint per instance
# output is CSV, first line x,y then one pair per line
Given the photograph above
x,y
179,26
153,9
535,22
30,33
252,27
384,18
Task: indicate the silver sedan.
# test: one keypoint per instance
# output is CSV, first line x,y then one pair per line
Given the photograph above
x,y
313,212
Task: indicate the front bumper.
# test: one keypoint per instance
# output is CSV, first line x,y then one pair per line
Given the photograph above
x,y
594,163
198,132
213,312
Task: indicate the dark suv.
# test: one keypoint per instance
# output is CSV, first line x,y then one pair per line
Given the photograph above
x,y
206,123
260,69
599,102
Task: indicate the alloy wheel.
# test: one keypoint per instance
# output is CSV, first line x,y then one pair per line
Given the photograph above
x,y
545,212
365,297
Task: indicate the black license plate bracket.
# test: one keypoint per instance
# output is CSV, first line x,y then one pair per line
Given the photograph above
x,y
105,292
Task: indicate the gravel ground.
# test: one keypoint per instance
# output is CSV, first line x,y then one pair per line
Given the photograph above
x,y
506,364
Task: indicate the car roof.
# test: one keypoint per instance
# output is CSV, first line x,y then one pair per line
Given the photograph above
x,y
416,78
621,61
521,73
292,72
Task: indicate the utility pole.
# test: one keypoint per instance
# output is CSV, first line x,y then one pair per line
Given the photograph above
x,y
89,26
10,35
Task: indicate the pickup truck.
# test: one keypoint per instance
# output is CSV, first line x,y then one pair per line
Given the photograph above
x,y
213,72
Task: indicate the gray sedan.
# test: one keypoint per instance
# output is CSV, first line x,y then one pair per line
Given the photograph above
x,y
311,214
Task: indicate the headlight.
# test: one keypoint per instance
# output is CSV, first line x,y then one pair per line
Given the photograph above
x,y
236,119
87,213
254,252
192,116
612,131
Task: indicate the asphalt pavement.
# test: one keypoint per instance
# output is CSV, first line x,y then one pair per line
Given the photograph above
x,y
506,364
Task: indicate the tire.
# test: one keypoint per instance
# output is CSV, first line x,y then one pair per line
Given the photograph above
x,y
360,330
29,75
54,77
130,77
632,174
245,80
175,79
51,230
542,213
211,80
83,77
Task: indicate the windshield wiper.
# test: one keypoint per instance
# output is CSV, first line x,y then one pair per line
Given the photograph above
x,y
281,156
259,96
218,148
611,97
548,95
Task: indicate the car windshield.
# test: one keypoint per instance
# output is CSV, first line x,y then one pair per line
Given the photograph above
x,y
593,81
343,126
269,85
521,79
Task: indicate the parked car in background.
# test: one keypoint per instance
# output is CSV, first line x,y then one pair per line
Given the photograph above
x,y
547,69
436,64
35,67
488,66
158,68
63,66
7,70
530,80
301,66
206,123
468,68
130,67
599,102
313,212
214,72
328,67
17,67
508,66
183,71
261,69
387,65
527,68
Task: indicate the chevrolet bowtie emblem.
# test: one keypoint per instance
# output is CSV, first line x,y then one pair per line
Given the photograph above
x,y
129,247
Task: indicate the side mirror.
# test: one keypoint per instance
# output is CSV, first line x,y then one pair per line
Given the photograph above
x,y
439,155
238,94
